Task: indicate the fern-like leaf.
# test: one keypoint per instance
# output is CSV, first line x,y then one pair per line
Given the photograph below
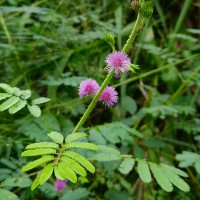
x,y
38,152
83,145
42,145
74,136
82,160
37,163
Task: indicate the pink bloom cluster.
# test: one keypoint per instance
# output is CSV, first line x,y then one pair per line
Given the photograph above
x,y
60,184
90,86
119,62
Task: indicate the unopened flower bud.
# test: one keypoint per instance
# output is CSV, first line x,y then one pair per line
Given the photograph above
x,y
135,5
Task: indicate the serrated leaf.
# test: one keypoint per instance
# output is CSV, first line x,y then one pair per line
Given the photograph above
x,y
74,165
37,163
82,160
75,136
5,194
174,170
143,171
8,103
56,137
38,152
176,180
35,110
46,173
35,183
104,157
83,145
42,145
18,106
4,95
126,165
25,94
7,88
63,171
40,100
161,177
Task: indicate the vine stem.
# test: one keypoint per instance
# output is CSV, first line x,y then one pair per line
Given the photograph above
x,y
107,80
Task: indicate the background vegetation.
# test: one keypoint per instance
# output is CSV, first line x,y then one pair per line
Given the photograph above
x,y
50,46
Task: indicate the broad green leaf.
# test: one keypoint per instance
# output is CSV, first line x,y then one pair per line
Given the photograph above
x,y
38,152
5,194
40,100
35,110
105,157
126,165
25,94
144,172
83,145
8,103
197,165
174,170
74,165
42,145
63,171
176,180
35,183
17,91
56,137
4,95
75,136
46,173
83,161
18,106
161,177
7,88
37,163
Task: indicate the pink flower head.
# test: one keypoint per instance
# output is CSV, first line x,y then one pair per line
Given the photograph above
x,y
109,96
119,62
88,86
60,184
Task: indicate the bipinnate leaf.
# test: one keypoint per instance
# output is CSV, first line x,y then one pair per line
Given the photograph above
x,y
37,163
177,181
35,110
161,177
40,100
18,106
83,145
4,95
38,152
174,170
8,103
56,137
6,194
82,160
75,136
144,172
126,165
46,173
6,88
74,165
63,171
42,145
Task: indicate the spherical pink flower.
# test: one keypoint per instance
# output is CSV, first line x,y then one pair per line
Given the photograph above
x,y
88,86
60,184
109,96
119,62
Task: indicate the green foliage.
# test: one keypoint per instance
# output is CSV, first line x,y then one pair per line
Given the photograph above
x,y
18,100
64,163
188,158
5,194
126,165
